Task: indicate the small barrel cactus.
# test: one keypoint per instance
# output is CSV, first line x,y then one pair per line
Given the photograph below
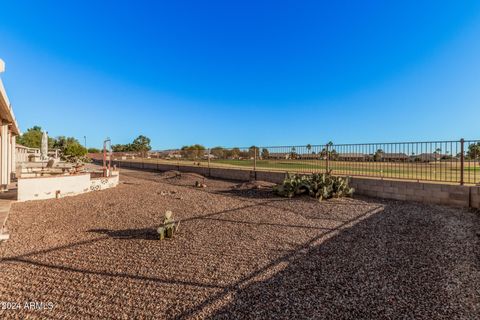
x,y
168,227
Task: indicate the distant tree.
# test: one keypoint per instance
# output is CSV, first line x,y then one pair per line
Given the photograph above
x,y
94,150
323,153
293,153
333,154
141,144
473,151
118,148
235,153
32,138
328,152
74,151
193,152
265,153
309,147
244,154
378,155
252,151
436,153
218,152
70,149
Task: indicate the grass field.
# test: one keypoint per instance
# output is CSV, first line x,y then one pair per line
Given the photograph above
x,y
447,171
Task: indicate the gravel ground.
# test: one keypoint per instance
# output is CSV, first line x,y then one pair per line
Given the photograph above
x,y
240,253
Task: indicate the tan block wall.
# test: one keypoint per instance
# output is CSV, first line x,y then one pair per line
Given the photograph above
x,y
166,167
200,170
231,174
475,197
276,177
452,195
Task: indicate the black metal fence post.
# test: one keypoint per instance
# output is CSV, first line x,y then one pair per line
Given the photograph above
x,y
208,155
255,163
462,161
326,158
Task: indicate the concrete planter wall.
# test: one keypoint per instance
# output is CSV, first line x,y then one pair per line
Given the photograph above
x,y
104,183
59,186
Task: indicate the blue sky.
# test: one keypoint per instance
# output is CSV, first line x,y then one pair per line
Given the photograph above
x,y
237,73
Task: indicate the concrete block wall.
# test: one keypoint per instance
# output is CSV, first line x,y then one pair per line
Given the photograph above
x,y
436,193
200,170
275,177
167,167
475,197
433,193
232,174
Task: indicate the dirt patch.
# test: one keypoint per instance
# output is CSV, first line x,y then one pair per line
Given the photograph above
x,y
252,185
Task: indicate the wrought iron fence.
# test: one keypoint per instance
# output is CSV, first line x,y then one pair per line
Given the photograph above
x,y
443,161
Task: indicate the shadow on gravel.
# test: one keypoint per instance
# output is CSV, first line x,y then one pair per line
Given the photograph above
x,y
401,262
144,233
249,193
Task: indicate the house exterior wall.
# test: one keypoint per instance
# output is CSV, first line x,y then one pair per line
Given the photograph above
x,y
8,132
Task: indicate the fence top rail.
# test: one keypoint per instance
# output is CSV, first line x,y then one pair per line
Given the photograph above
x,y
340,144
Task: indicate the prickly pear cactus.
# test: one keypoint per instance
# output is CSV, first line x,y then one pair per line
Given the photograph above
x,y
318,185
168,227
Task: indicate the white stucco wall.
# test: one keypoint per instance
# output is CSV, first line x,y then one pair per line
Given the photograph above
x,y
62,186
104,183
52,187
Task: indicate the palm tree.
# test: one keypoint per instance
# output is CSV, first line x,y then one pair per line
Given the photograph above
x,y
437,152
309,147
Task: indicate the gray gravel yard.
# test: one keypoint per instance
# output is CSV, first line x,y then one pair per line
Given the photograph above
x,y
240,253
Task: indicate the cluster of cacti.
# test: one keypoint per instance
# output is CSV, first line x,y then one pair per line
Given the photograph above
x,y
168,227
318,185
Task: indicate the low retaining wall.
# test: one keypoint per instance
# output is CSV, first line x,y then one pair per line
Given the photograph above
x,y
59,186
433,193
436,193
104,182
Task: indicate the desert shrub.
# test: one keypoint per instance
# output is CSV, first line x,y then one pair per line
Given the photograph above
x,y
318,185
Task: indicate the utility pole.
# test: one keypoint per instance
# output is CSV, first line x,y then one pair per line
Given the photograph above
x,y
85,142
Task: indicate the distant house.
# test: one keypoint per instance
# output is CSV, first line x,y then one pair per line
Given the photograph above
x,y
123,155
279,155
211,156
394,157
353,157
307,156
427,157
169,154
